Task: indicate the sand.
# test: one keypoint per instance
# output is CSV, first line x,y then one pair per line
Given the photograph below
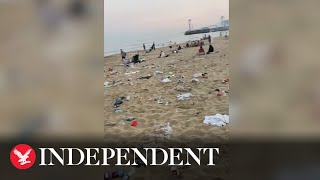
x,y
185,117
153,102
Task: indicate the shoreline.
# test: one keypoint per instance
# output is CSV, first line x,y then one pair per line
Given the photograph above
x,y
161,44
141,51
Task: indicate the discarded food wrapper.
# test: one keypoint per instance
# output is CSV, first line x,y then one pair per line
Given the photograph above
x,y
197,75
118,102
131,72
106,84
134,123
166,80
158,72
163,130
130,118
118,110
225,81
183,89
216,120
146,77
194,80
186,96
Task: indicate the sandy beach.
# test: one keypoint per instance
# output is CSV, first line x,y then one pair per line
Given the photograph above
x,y
153,102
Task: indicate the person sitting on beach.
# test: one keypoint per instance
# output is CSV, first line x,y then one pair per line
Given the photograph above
x,y
201,51
187,45
179,47
221,93
135,59
197,43
211,49
163,55
152,48
123,54
170,45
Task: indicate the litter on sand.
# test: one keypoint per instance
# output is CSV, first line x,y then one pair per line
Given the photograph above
x,y
183,89
106,84
118,102
166,80
130,118
158,72
134,123
146,77
216,120
202,75
163,130
186,96
129,73
197,75
194,80
118,111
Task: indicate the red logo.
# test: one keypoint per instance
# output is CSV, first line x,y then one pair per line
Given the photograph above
x,y
22,156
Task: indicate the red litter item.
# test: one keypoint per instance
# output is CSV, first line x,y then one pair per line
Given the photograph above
x,y
134,123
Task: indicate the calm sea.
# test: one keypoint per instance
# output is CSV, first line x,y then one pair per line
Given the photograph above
x,y
113,42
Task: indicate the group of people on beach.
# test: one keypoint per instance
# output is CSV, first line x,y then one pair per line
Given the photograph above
x,y
202,52
225,36
197,43
153,47
175,51
135,58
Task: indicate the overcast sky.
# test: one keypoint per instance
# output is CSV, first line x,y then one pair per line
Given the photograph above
x,y
161,15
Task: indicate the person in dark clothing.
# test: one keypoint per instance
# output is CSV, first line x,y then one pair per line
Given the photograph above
x,y
209,39
179,47
144,47
123,54
153,46
163,55
211,49
135,59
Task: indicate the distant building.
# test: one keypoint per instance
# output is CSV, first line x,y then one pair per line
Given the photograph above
x,y
222,25
225,23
